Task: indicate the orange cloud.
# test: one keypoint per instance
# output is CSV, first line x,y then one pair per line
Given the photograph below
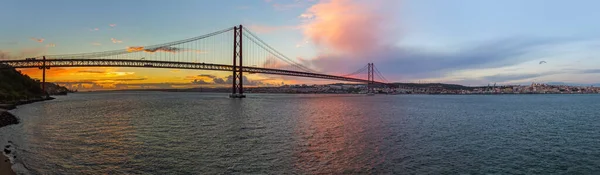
x,y
201,76
135,49
199,51
96,44
348,26
39,40
60,72
86,79
51,45
77,74
95,78
92,71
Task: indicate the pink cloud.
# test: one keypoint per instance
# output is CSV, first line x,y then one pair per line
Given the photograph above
x,y
351,33
39,40
112,25
306,16
348,26
345,31
116,41
94,29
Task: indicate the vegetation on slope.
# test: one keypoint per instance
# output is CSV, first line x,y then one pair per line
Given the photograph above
x,y
15,87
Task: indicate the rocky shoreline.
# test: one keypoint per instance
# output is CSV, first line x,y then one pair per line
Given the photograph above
x,y
23,102
6,118
8,155
14,104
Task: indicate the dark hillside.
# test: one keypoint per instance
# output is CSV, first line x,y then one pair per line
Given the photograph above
x,y
14,86
17,88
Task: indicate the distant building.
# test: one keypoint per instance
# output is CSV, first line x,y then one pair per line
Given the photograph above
x,y
337,87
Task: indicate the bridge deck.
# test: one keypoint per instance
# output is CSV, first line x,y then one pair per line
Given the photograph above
x,y
166,64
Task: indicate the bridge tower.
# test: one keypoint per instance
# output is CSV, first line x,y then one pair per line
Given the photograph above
x,y
43,67
238,78
370,78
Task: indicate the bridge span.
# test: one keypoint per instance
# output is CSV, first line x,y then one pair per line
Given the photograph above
x,y
207,52
167,64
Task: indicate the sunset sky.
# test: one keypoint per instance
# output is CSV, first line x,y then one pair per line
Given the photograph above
x,y
470,42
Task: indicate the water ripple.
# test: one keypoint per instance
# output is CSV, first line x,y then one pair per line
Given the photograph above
x,y
192,133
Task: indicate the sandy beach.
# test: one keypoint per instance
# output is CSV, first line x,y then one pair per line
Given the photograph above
x,y
5,166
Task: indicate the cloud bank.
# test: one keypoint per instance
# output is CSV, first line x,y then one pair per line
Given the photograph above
x,y
349,27
353,33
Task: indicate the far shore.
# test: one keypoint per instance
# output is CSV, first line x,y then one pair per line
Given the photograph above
x,y
328,93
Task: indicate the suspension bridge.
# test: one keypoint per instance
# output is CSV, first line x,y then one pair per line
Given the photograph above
x,y
235,49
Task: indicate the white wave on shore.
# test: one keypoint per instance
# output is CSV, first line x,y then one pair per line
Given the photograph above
x,y
17,166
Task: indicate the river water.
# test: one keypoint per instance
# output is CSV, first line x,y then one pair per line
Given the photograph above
x,y
199,133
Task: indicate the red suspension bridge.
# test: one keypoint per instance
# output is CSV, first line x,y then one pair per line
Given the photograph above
x,y
212,51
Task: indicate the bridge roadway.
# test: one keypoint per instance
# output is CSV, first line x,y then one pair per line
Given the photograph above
x,y
166,64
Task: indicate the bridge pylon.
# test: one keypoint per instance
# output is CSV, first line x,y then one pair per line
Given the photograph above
x,y
371,78
238,77
44,67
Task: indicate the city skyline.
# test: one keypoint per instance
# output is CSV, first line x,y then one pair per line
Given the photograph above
x,y
466,42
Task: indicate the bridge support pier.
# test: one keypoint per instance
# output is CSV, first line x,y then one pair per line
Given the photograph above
x,y
238,77
44,75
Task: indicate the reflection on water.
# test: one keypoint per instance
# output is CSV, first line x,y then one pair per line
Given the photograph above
x,y
197,133
334,137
